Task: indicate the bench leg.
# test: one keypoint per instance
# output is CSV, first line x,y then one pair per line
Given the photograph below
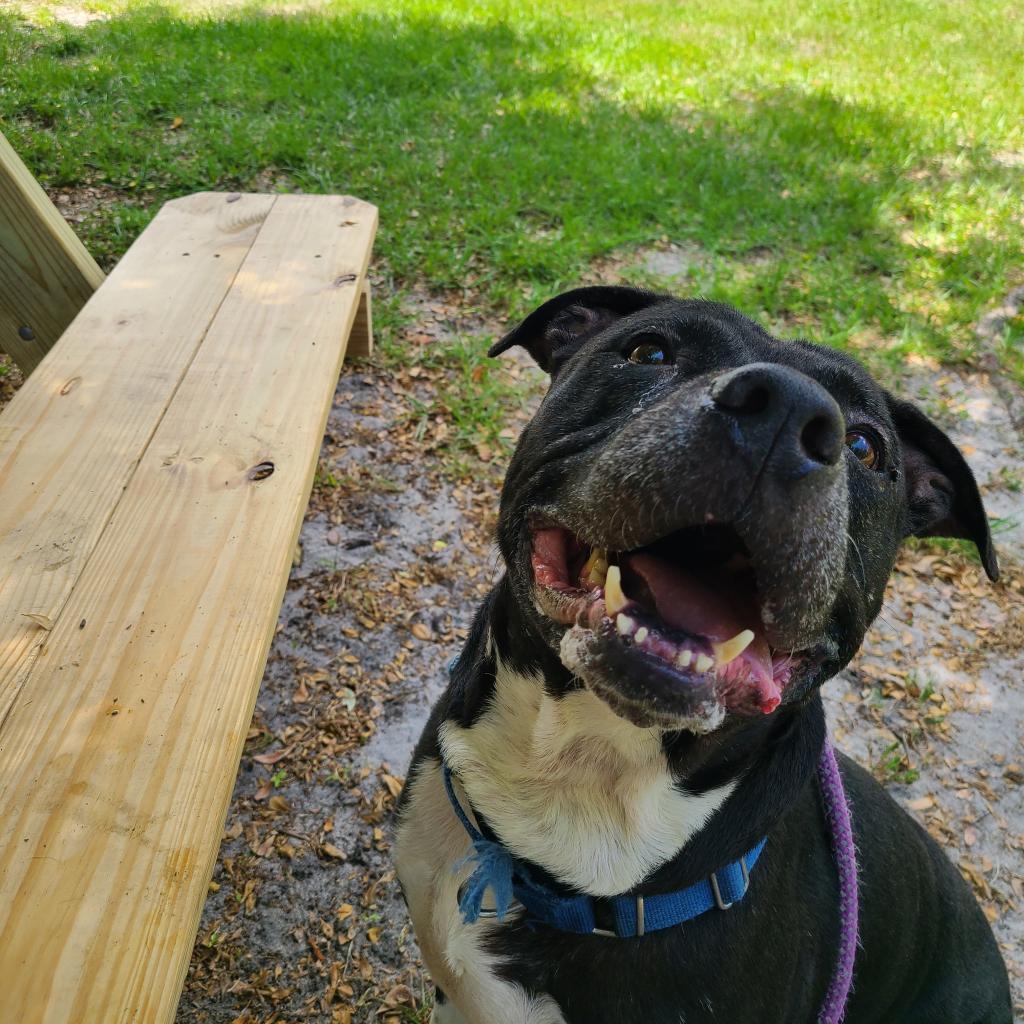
x,y
360,340
46,276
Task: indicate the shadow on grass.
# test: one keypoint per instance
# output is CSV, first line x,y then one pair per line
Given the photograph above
x,y
500,163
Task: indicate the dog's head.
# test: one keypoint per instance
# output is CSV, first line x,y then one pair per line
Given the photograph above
x,y
701,518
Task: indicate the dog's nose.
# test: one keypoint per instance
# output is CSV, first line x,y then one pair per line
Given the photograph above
x,y
781,411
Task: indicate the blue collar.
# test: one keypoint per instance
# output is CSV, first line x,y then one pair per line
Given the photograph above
x,y
509,878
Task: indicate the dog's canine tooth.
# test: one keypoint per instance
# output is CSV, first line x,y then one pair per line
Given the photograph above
x,y
596,567
730,650
641,634
683,659
625,625
704,663
614,598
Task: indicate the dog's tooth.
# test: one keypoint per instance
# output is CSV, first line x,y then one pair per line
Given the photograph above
x,y
730,650
596,567
624,624
683,659
641,634
614,598
704,663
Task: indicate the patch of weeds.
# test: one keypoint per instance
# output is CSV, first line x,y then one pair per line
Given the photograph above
x,y
66,44
259,743
1003,524
965,548
390,318
954,545
894,765
1009,477
379,482
478,399
1010,348
326,478
277,779
417,1014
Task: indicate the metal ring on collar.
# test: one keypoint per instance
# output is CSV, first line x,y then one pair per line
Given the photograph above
x,y
485,914
718,893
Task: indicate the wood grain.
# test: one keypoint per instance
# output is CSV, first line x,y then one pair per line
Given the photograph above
x,y
46,274
73,434
117,761
360,342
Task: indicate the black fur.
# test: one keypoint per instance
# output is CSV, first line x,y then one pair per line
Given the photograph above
x,y
927,954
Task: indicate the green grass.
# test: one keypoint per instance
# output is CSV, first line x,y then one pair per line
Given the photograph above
x,y
851,170
894,765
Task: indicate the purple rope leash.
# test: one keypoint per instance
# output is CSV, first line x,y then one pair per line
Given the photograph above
x,y
837,814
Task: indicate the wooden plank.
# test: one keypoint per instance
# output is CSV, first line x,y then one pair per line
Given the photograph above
x,y
73,434
46,274
360,342
117,764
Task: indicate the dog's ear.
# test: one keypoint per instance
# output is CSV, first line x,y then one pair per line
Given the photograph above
x,y
942,494
554,331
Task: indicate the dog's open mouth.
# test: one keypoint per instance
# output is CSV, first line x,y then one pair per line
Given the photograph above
x,y
683,610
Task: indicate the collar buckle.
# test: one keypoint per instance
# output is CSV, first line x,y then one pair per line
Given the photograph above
x,y
717,893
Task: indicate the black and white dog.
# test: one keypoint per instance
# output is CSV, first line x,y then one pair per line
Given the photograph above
x,y
697,526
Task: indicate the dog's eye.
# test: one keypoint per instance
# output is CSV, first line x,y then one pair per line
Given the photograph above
x,y
863,447
649,353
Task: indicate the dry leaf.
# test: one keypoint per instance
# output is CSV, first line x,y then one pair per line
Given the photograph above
x,y
399,995
922,803
332,851
394,785
273,757
345,911
421,632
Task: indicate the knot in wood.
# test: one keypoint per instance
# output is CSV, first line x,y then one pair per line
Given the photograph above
x,y
261,471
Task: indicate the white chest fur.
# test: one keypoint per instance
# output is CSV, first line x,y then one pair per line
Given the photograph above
x,y
430,842
570,785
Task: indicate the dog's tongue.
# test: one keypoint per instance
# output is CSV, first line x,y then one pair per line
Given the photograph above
x,y
686,602
715,609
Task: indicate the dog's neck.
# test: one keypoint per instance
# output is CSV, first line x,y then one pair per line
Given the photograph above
x,y
601,805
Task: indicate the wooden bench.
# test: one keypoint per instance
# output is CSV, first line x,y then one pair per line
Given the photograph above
x,y
154,471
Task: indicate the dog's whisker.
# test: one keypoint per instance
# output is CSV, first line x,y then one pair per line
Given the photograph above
x,y
860,558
